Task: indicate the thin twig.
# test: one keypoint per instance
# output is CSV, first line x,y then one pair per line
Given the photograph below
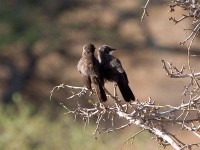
x,y
145,10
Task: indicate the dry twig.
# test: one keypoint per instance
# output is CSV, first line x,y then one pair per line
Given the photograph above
x,y
146,115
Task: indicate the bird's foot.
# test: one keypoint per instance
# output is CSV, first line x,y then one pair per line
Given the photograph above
x,y
91,92
102,106
115,90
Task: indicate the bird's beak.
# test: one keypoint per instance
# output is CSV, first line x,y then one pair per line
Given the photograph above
x,y
113,49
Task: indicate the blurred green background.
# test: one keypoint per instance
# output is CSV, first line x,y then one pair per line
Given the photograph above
x,y
40,45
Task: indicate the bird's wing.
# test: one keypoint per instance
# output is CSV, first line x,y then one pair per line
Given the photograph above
x,y
125,76
85,77
87,81
119,69
116,64
98,71
79,65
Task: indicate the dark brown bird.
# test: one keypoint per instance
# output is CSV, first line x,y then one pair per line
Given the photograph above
x,y
88,66
113,71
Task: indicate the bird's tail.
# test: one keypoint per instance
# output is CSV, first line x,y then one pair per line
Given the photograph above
x,y
125,90
98,86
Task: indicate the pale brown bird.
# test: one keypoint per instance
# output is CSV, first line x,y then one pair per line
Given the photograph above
x,y
113,71
88,66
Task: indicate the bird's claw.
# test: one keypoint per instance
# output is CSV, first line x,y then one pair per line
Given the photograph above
x,y
91,92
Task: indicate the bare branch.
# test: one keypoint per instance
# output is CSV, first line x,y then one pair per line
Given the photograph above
x,y
173,72
132,138
146,115
145,10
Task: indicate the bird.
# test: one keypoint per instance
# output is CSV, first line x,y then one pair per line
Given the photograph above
x,y
112,70
88,66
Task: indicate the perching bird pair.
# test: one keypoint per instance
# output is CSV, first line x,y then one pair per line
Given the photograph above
x,y
106,67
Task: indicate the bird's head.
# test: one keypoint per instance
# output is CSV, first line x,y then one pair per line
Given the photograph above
x,y
88,49
106,49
